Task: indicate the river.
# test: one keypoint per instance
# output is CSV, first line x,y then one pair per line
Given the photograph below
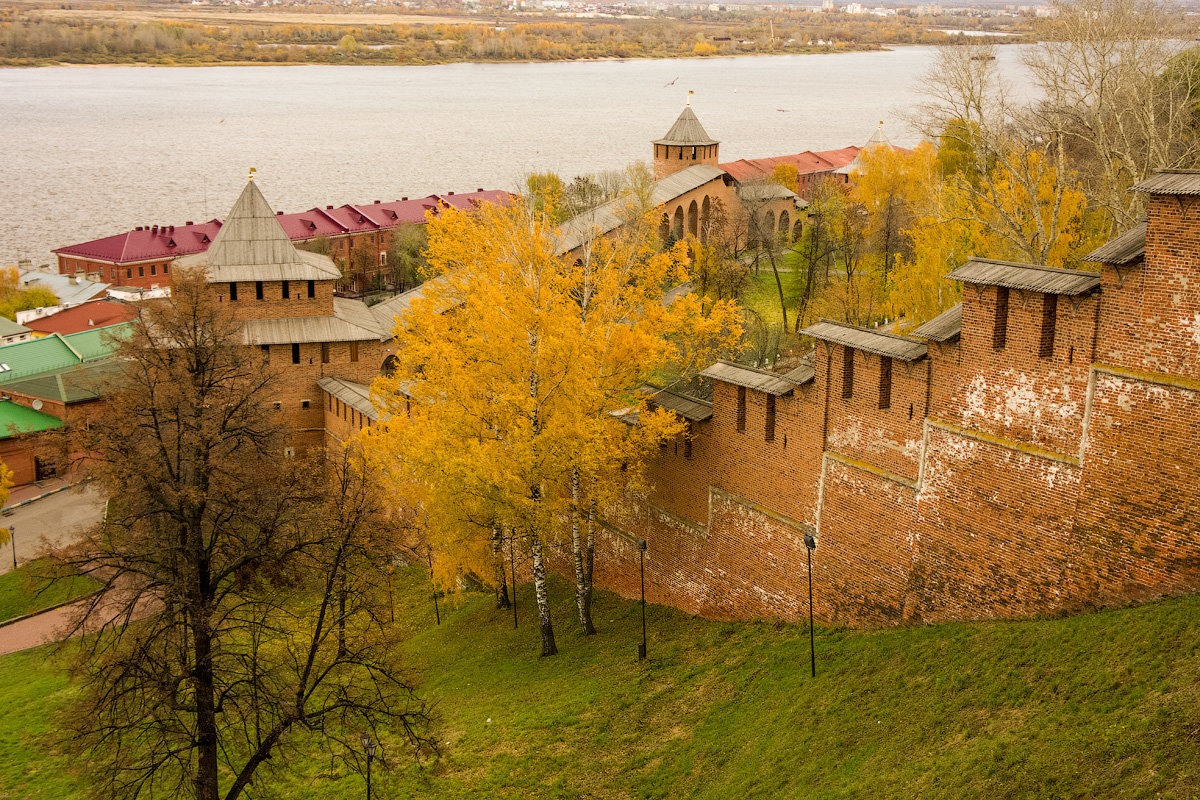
x,y
91,152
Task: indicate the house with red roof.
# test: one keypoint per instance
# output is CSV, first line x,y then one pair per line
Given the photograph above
x,y
142,257
84,317
811,166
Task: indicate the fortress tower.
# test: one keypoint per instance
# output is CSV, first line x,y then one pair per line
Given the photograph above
x,y
685,145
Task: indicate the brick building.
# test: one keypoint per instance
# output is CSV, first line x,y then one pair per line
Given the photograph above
x,y
143,256
811,167
1031,451
284,297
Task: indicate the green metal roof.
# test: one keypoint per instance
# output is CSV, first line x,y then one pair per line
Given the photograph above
x,y
99,342
9,328
17,419
72,384
33,357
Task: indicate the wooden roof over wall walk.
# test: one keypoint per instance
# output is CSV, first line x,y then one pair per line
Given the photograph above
x,y
867,340
355,395
758,379
945,327
1172,182
1127,248
611,215
1026,277
690,408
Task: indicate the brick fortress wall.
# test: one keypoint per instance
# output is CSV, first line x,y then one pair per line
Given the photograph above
x,y
1000,481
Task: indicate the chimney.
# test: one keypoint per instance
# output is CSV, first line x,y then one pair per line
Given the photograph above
x,y
154,230
328,208
403,199
138,228
480,190
73,280
449,194
279,213
189,222
376,202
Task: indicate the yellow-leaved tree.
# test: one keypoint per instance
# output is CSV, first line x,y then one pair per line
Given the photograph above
x,y
516,372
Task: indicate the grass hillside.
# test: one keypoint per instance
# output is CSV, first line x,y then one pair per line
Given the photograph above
x,y
1104,705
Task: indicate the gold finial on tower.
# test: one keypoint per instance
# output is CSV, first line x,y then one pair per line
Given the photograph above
x,y
252,171
689,100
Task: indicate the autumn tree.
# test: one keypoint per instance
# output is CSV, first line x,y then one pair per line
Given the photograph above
x,y
1012,167
514,393
405,255
1117,87
241,593
14,297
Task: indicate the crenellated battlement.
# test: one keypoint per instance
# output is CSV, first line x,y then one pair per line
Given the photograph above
x,y
1031,451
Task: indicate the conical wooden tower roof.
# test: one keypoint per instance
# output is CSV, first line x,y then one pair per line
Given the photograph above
x,y
252,246
687,131
251,235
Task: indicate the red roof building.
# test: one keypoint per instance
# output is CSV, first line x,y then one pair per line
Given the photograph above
x,y
83,317
142,257
810,166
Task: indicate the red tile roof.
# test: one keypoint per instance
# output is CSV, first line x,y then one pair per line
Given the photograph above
x,y
805,163
83,317
168,241
147,243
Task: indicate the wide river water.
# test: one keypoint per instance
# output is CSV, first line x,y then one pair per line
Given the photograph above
x,y
90,152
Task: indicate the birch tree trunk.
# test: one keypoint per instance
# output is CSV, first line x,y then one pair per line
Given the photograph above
x,y
549,648
583,573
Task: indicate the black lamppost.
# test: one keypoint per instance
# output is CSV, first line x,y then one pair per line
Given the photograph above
x,y
810,544
437,613
512,567
368,746
641,543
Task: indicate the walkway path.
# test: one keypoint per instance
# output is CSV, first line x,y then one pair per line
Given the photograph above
x,y
49,626
54,513
46,514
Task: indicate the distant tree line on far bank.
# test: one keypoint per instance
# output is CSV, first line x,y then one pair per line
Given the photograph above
x,y
36,38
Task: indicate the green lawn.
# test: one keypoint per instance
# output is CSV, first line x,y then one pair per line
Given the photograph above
x,y
1103,705
29,589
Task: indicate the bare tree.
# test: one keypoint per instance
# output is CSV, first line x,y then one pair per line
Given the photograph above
x,y
241,594
1010,163
1105,67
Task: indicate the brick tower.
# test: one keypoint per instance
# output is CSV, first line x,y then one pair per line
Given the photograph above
x,y
685,145
284,298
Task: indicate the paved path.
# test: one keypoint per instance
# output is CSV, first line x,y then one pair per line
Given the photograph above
x,y
36,630
49,521
51,514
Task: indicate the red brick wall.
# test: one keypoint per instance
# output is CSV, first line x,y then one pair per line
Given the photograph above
x,y
274,305
1151,318
1013,392
1024,483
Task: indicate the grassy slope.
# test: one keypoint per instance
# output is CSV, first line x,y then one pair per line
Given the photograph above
x,y
27,589
1102,705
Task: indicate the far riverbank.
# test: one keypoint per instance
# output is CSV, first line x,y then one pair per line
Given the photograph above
x,y
95,152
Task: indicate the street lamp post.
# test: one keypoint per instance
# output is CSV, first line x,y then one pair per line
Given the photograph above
x,y
810,544
641,543
512,567
369,746
437,613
